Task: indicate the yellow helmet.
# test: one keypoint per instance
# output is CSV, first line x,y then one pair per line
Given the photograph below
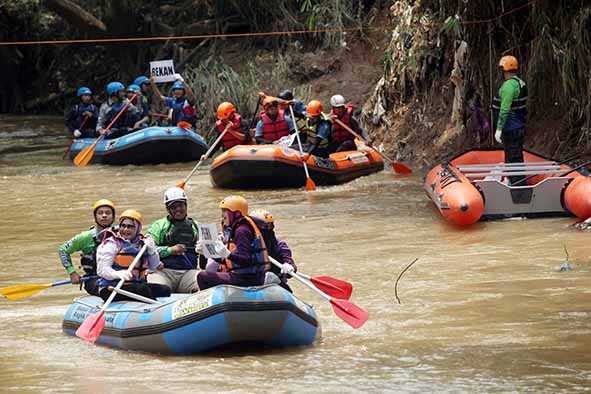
x,y
235,203
103,203
132,214
508,63
264,216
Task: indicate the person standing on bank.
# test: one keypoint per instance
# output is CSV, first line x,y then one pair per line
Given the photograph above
x,y
510,109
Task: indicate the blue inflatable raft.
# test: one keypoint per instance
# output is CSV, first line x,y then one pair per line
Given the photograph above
x,y
152,145
222,316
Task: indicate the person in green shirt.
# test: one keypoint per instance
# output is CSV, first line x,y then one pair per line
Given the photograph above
x,y
86,242
510,109
176,236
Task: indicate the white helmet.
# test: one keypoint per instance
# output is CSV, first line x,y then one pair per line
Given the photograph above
x,y
174,194
337,101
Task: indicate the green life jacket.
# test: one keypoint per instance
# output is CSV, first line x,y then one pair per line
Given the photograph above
x,y
310,130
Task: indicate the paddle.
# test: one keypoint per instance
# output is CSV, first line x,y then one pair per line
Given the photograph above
x,y
310,185
347,311
397,166
85,155
333,287
18,292
559,163
93,325
183,183
80,128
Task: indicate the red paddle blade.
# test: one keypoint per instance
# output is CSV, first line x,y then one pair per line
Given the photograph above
x,y
181,185
310,185
335,288
349,312
184,125
400,168
91,328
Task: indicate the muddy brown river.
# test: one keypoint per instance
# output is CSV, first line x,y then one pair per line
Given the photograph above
x,y
484,309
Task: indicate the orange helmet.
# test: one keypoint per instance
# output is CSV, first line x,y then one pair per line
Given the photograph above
x,y
235,203
314,108
225,110
269,101
132,214
508,63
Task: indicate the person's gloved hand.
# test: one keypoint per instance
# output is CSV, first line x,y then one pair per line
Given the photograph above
x,y
498,136
124,275
221,249
151,245
287,269
77,133
178,77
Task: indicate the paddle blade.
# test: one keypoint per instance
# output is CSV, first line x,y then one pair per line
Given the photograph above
x,y
401,168
335,288
349,312
18,292
184,125
310,185
84,157
181,184
91,328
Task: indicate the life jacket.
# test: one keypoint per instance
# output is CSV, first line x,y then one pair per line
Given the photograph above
x,y
183,110
311,133
89,123
231,138
181,232
517,116
124,120
124,258
88,261
271,244
274,129
259,259
339,134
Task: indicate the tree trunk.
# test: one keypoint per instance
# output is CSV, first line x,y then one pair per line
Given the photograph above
x,y
75,15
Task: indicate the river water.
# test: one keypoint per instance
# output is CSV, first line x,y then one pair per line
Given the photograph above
x,y
483,309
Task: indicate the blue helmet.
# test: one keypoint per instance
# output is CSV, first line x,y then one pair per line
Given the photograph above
x,y
84,90
140,80
114,87
177,85
133,88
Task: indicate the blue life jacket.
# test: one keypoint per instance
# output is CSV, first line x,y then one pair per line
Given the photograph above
x,y
517,116
123,260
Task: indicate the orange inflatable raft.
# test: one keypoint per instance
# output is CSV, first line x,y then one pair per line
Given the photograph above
x,y
275,166
474,186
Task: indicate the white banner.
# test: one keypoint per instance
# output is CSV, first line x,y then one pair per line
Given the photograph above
x,y
208,235
162,71
286,141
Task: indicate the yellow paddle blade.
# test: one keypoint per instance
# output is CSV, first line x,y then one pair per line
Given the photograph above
x,y
18,292
85,155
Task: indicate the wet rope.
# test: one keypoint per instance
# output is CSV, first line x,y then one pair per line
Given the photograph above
x,y
400,276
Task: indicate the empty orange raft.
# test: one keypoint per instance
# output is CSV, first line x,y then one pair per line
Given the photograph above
x,y
474,186
276,166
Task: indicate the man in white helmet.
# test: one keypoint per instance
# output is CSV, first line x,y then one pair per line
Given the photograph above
x,y
341,139
175,236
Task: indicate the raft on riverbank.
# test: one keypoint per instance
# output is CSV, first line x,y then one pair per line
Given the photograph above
x,y
473,186
152,145
274,166
268,316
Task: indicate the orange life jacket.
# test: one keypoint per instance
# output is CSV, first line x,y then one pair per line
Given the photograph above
x,y
274,129
126,255
260,257
339,134
232,137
